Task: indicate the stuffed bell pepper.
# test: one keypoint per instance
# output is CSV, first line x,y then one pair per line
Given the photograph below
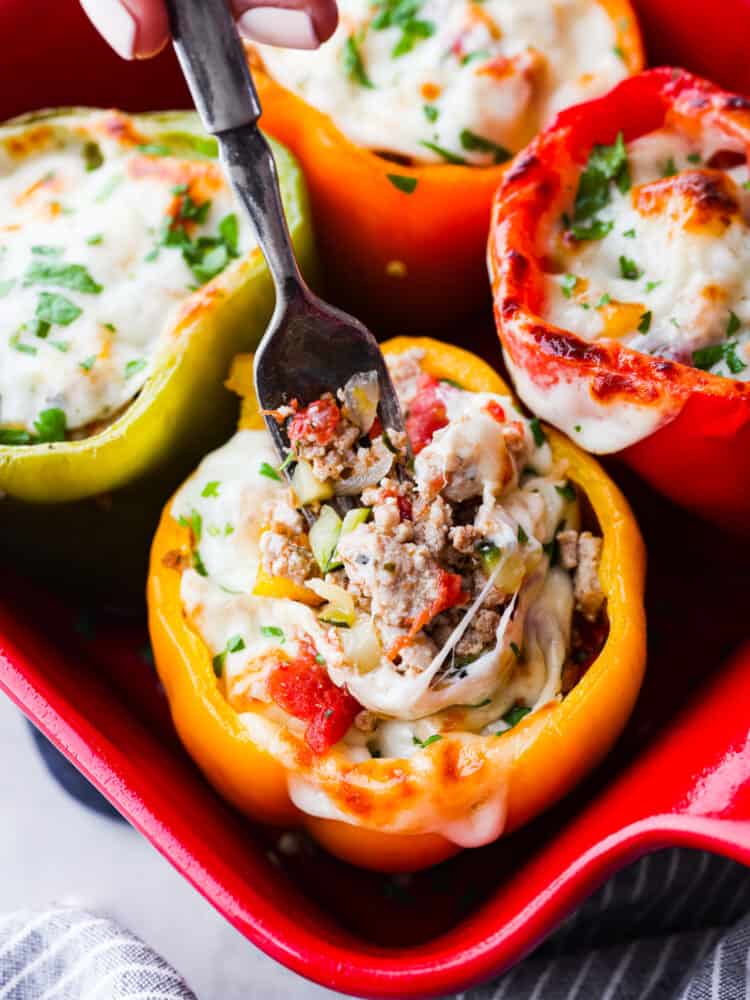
x,y
402,123
428,671
620,256
127,283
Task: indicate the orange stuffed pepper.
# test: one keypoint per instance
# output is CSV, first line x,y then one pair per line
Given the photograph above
x,y
403,123
431,671
619,255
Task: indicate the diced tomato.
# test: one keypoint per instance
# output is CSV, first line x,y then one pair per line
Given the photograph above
x,y
404,508
303,688
496,411
449,595
317,422
427,413
376,430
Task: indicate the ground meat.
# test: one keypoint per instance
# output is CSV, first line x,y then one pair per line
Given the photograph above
x,y
405,370
431,524
281,556
415,657
464,538
400,578
283,516
332,459
480,635
588,590
568,542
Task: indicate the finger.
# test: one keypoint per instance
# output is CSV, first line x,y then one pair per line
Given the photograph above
x,y
297,24
136,29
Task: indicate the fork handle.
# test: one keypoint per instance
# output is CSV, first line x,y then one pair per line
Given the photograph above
x,y
214,64
215,67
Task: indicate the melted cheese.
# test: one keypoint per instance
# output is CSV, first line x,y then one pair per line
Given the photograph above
x,y
670,279
231,500
87,199
498,70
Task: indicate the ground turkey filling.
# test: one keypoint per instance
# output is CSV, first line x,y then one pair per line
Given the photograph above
x,y
460,591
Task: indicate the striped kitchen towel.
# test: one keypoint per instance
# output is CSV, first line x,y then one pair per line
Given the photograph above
x,y
674,926
67,954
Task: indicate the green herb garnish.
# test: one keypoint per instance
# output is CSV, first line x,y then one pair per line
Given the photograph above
x,y
92,155
568,285
353,63
272,632
211,489
425,743
567,491
268,470
645,323
522,536
74,276
444,153
405,184
55,308
50,426
537,432
629,269
134,367
474,143
234,645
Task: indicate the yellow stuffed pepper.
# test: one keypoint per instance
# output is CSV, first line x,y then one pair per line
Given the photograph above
x,y
429,672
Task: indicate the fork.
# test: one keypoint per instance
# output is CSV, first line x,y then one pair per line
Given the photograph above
x,y
310,347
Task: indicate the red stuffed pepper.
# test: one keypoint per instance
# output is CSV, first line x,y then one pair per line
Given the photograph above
x,y
619,255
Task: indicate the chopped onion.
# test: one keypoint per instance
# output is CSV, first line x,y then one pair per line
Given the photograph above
x,y
361,396
370,477
334,594
362,646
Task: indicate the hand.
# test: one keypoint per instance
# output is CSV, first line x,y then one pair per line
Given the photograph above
x,y
137,29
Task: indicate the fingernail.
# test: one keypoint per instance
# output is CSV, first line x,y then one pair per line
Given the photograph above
x,y
291,29
115,23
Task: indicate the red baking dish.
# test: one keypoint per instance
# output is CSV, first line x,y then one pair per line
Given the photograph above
x,y
679,775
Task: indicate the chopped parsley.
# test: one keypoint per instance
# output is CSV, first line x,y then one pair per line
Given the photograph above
x,y
92,155
206,256
567,491
402,14
537,432
516,651
405,184
234,645
111,185
425,743
606,165
707,357
55,308
629,234
268,470
489,553
471,57
522,536
629,269
514,715
194,523
596,229
88,363
474,143
431,113
211,489
694,157
15,436
604,301
73,276
134,367
733,324
272,632
50,426
443,153
645,323
95,240
670,168
568,285
651,285
353,63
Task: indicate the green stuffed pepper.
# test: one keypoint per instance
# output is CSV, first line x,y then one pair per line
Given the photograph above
x,y
128,281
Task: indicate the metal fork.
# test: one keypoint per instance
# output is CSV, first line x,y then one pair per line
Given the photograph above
x,y
309,347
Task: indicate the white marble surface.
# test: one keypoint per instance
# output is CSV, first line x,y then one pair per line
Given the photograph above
x,y
53,850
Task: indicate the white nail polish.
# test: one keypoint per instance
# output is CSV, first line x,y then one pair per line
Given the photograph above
x,y
115,23
292,29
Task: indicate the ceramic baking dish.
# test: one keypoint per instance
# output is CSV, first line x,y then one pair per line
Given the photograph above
x,y
679,775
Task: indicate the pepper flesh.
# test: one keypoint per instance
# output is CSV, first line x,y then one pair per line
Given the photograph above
x,y
93,503
400,261
700,455
543,756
